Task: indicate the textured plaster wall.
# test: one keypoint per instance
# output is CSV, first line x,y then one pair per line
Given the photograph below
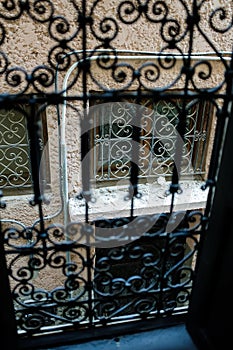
x,y
27,45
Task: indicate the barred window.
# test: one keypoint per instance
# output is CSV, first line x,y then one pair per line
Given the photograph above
x,y
15,167
112,138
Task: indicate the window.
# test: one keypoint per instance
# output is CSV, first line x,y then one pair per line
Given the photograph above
x,y
112,138
15,167
112,153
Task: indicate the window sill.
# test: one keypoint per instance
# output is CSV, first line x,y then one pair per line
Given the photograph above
x,y
110,202
169,338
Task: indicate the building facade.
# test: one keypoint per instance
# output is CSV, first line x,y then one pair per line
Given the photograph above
x,y
108,124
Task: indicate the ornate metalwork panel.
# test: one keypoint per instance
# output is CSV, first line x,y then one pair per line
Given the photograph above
x,y
113,139
15,166
132,90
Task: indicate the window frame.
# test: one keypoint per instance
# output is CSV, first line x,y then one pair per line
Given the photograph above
x,y
24,110
203,137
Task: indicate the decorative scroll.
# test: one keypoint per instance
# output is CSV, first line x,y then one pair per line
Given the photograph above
x,y
104,25
157,274
69,275
14,150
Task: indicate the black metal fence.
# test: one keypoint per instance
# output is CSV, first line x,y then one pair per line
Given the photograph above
x,y
72,277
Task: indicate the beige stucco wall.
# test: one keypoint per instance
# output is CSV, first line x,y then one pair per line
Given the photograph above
x,y
27,43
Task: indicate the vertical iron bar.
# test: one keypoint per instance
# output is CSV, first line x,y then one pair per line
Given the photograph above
x,y
187,70
85,154
8,329
34,131
174,187
85,132
204,115
133,191
195,156
35,134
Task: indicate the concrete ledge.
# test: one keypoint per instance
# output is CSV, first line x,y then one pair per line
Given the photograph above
x,y
110,202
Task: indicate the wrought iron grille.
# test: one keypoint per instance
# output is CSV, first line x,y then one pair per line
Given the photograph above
x,y
113,135
78,275
15,166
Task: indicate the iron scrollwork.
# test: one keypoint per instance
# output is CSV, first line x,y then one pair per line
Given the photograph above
x,y
136,267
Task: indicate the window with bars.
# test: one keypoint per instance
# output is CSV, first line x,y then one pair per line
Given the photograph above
x,y
15,167
112,138
112,142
